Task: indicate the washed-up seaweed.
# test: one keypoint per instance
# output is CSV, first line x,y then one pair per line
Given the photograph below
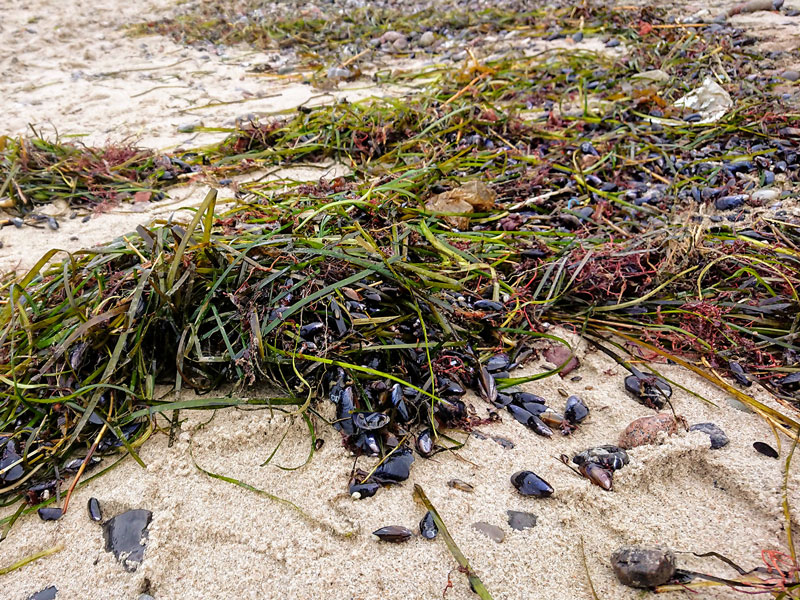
x,y
495,200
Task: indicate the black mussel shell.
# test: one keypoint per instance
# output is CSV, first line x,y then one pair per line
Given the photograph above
x,y
609,457
739,374
648,390
48,593
394,534
539,427
367,442
93,506
533,407
399,403
396,468
370,421
503,400
310,330
425,443
49,514
364,490
451,388
450,412
487,385
765,449
520,414
523,397
529,483
499,362
427,526
576,410
487,305
10,456
344,412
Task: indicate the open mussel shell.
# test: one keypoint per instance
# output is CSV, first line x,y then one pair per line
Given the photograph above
x,y
576,411
608,457
598,475
425,443
394,534
370,421
427,526
648,390
529,483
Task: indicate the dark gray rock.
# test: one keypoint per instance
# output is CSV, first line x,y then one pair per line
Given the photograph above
x,y
643,567
718,437
126,535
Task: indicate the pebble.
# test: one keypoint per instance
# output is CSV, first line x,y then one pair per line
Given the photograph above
x,y
519,520
493,532
126,535
426,39
339,73
791,75
647,430
718,437
641,567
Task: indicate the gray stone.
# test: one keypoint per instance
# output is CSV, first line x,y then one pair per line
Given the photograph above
x,y
718,437
426,39
791,75
643,567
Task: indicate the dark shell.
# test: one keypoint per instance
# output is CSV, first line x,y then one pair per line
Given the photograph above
x,y
608,457
451,388
739,375
125,534
93,506
427,526
503,400
499,362
450,412
576,410
649,390
370,421
48,593
714,432
539,427
487,305
396,468
533,407
10,456
399,403
364,490
487,385
50,514
765,449
523,397
425,443
344,412
529,483
552,418
520,414
312,329
367,442
394,534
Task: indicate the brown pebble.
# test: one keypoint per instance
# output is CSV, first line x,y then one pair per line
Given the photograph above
x,y
646,430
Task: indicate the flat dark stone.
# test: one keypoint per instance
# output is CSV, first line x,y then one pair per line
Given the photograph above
x,y
718,437
520,520
48,593
125,534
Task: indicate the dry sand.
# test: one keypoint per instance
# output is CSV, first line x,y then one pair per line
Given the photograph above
x,y
210,539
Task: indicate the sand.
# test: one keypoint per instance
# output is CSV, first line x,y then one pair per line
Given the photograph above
x,y
210,539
